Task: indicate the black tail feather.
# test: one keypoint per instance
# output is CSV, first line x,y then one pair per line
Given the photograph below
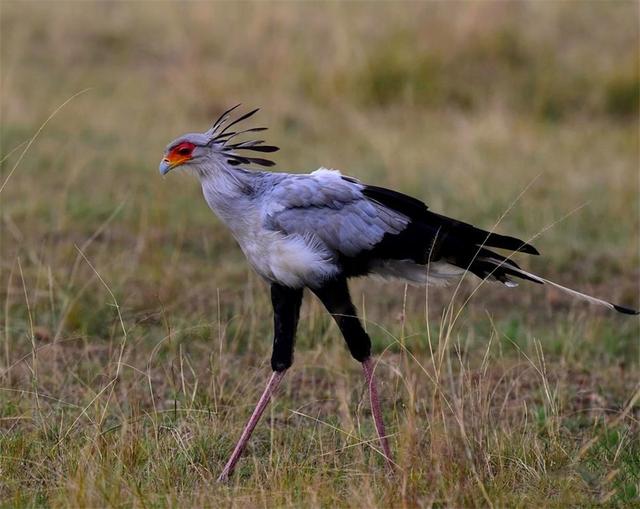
x,y
481,237
487,264
626,311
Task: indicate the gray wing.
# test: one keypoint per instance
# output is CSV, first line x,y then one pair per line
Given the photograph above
x,y
327,207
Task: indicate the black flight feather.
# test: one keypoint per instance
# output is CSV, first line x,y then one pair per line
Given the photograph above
x,y
418,211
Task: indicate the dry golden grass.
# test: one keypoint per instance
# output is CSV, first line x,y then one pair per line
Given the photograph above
x,y
134,339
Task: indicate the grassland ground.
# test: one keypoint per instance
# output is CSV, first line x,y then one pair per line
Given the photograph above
x,y
134,339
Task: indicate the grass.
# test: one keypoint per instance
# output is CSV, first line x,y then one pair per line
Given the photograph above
x,y
134,339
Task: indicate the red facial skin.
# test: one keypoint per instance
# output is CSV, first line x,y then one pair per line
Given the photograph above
x,y
180,154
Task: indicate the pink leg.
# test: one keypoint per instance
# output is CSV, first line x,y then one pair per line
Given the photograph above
x,y
274,381
368,367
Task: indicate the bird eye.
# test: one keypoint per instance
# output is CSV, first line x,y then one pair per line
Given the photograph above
x,y
184,149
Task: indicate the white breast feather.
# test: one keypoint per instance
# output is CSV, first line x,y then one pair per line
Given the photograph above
x,y
291,260
298,260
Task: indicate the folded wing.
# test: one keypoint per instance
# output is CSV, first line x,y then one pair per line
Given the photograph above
x,y
332,209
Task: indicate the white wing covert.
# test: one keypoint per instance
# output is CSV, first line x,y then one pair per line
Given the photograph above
x,y
327,207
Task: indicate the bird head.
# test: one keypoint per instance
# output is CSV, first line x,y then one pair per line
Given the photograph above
x,y
200,151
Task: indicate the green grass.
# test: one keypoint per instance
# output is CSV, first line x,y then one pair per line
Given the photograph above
x,y
134,339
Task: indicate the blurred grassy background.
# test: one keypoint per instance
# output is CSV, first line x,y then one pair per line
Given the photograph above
x,y
528,400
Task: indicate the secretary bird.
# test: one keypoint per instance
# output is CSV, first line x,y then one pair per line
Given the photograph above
x,y
318,230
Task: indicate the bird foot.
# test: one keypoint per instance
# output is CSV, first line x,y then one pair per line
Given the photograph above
x,y
223,478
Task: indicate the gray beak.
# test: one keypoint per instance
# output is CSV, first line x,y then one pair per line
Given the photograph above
x,y
165,167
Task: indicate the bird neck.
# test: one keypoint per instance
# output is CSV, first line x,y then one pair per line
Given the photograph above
x,y
228,191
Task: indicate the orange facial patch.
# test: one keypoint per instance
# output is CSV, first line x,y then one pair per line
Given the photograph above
x,y
180,153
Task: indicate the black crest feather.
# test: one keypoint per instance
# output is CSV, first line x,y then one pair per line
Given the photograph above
x,y
220,135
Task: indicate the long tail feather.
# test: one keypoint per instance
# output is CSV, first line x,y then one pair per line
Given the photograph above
x,y
517,271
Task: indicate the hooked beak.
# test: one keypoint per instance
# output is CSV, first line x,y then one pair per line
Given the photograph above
x,y
169,162
165,166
